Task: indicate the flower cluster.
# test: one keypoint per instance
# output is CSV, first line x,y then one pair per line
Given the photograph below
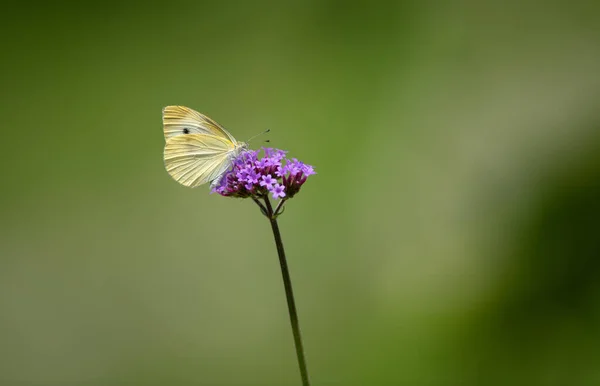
x,y
254,176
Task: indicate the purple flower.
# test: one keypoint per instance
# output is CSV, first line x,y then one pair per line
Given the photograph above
x,y
308,170
265,163
241,175
294,167
254,176
267,181
281,170
278,191
278,155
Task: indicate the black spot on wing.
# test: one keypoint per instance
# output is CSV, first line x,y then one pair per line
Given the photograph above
x,y
186,130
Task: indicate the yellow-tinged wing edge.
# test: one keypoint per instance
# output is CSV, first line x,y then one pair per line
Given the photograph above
x,y
181,120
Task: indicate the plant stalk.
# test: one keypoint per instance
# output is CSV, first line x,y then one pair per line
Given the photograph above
x,y
289,294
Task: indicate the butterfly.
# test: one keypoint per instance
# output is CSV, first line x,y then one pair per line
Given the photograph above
x,y
197,149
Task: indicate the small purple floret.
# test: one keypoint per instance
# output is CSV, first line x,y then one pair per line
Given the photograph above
x,y
267,181
278,191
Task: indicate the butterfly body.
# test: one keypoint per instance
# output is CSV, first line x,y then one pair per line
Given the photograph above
x,y
197,149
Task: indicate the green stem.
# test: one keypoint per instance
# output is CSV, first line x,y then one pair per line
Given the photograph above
x,y
289,294
279,209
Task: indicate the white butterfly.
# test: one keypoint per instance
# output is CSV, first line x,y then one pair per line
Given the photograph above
x,y
197,150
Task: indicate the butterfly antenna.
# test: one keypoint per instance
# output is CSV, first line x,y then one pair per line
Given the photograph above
x,y
259,134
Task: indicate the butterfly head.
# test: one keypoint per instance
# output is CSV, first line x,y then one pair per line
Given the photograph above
x,y
241,146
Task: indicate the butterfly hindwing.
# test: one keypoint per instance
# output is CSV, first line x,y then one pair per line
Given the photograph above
x,y
195,159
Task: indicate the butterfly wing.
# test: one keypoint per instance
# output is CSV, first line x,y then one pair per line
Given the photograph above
x,y
181,120
195,159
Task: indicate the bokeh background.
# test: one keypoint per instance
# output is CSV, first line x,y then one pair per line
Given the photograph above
x,y
450,237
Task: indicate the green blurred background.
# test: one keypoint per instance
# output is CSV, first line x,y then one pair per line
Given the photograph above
x,y
450,237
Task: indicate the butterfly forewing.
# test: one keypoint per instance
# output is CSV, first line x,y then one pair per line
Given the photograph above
x,y
195,159
181,120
